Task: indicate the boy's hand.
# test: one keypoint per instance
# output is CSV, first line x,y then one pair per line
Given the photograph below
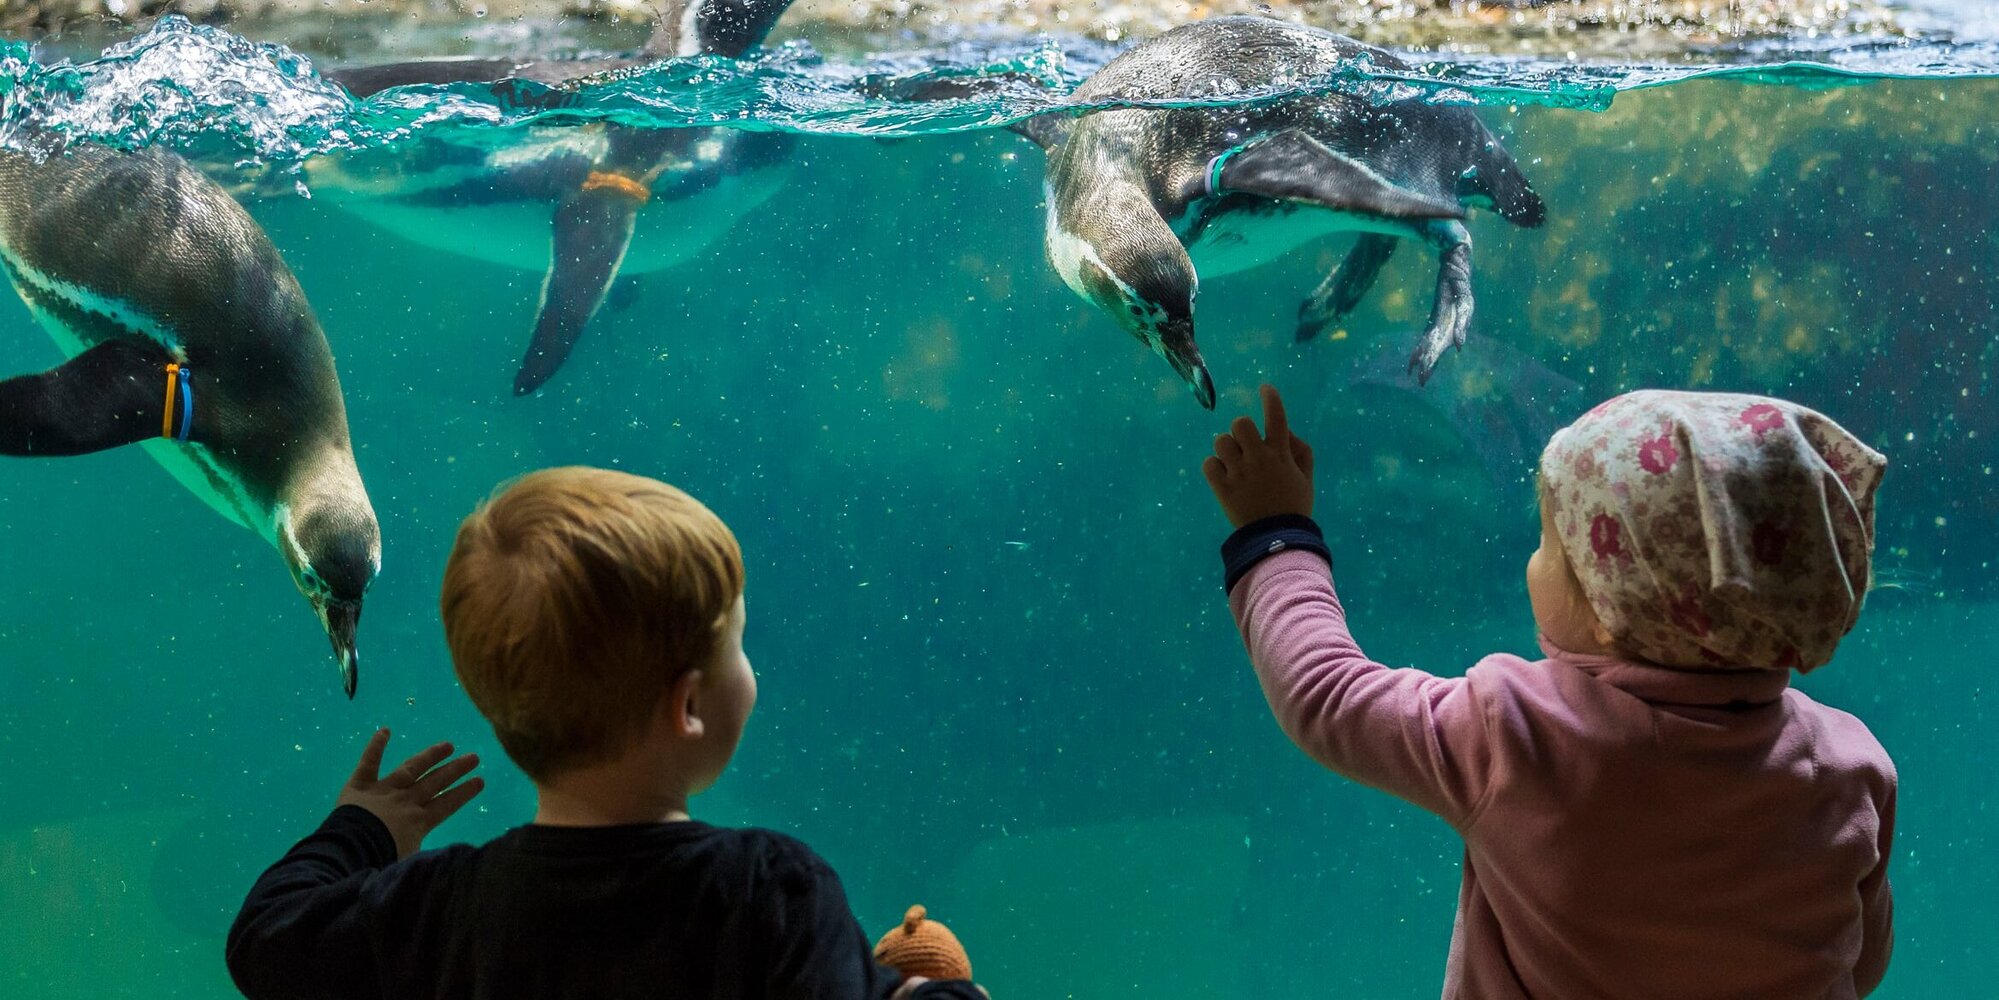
x,y
1254,476
414,798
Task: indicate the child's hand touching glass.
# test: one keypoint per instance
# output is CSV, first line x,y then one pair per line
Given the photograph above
x,y
414,798
1258,476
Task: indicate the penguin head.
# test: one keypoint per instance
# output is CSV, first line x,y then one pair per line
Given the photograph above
x,y
1155,304
334,551
1109,243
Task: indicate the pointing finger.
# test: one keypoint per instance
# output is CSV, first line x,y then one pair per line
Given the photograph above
x,y
1276,427
370,767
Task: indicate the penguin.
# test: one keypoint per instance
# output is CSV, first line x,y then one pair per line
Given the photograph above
x,y
186,333
1141,201
588,183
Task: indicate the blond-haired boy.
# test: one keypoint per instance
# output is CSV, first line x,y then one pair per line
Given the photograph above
x,y
596,620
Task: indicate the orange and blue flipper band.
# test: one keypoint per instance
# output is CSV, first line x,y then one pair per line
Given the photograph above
x,y
180,403
606,180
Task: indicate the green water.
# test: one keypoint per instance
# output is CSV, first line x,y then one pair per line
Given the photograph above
x,y
998,675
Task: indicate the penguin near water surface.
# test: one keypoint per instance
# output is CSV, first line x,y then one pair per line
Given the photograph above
x,y
186,332
1143,200
587,183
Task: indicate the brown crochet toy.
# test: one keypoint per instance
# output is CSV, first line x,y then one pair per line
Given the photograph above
x,y
923,947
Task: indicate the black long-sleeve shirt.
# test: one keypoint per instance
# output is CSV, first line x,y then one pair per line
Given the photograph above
x,y
656,910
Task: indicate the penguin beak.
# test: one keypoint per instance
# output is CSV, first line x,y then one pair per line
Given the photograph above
x,y
1176,342
341,618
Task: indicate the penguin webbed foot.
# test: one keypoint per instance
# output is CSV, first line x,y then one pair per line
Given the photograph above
x,y
1336,297
1450,314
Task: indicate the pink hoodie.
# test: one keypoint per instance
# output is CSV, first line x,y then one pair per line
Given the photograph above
x,y
1630,831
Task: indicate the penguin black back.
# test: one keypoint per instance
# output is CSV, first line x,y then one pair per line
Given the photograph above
x,y
193,273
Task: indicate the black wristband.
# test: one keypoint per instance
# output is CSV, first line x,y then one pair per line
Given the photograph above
x,y
1254,542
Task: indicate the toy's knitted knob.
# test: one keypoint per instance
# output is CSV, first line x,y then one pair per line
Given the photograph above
x,y
923,947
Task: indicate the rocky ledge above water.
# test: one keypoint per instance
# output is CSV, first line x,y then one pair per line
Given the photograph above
x,y
1625,28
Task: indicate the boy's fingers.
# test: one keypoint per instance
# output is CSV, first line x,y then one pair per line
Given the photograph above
x,y
445,776
1226,448
1215,471
1301,453
1276,426
441,808
421,762
1243,430
370,766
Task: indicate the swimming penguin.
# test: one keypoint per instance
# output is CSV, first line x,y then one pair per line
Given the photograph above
x,y
186,332
495,204
1141,200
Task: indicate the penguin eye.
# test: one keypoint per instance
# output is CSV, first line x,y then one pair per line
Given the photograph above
x,y
312,579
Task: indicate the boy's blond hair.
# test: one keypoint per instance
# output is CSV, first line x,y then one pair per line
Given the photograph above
x,y
573,599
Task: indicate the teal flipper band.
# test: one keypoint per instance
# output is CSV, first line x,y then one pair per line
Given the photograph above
x,y
1215,167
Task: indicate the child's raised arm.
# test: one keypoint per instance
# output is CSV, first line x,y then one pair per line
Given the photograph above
x,y
1409,733
329,919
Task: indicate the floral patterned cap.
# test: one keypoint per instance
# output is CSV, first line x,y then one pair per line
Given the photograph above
x,y
1715,530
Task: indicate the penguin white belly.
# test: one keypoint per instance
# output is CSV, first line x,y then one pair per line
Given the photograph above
x,y
189,463
1246,238
513,234
196,470
517,234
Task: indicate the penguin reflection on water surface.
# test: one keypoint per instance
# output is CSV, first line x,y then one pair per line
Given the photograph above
x,y
587,183
1142,200
186,332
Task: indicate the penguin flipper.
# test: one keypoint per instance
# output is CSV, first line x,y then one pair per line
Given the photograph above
x,y
110,395
1293,166
1342,290
593,228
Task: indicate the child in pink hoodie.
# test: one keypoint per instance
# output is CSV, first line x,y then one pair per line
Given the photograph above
x,y
1651,811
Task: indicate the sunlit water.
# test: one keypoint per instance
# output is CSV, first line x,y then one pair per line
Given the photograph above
x,y
998,676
